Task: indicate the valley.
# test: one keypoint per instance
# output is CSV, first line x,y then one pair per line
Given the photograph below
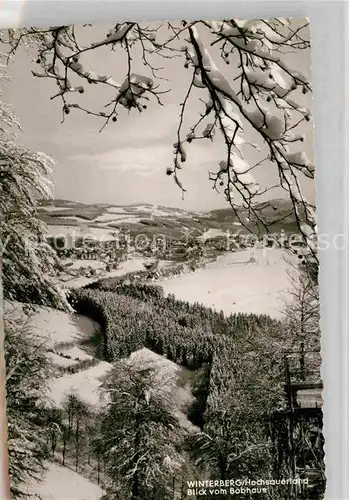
x,y
166,314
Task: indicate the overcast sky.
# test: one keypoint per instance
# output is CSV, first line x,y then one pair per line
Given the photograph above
x,y
126,163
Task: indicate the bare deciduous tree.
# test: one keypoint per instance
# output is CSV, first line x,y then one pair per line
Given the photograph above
x,y
302,325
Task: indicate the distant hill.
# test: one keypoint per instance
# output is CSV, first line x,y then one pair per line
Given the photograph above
x,y
166,220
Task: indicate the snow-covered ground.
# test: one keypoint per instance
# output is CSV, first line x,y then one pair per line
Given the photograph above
x,y
64,334
128,266
61,483
114,217
158,211
172,378
54,327
131,265
57,327
54,209
94,264
117,210
59,360
129,220
212,233
85,384
234,283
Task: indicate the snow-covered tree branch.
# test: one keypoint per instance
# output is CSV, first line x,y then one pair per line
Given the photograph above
x,y
260,99
27,260
27,373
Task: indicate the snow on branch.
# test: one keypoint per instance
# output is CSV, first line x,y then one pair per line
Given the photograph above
x,y
258,100
263,103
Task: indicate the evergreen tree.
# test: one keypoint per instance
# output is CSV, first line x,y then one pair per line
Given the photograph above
x,y
27,374
140,434
27,259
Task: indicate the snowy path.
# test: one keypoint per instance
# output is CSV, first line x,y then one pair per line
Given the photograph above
x,y
61,483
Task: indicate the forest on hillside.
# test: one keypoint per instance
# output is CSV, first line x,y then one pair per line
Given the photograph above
x,y
141,443
237,363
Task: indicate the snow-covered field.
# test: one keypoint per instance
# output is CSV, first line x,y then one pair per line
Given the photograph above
x,y
59,360
158,211
54,327
54,209
117,210
114,217
63,333
234,283
212,233
61,483
127,220
75,218
100,222
128,266
57,327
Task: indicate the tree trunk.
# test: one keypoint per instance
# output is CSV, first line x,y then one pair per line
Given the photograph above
x,y
4,485
135,487
53,444
64,450
89,453
70,418
183,495
77,444
137,445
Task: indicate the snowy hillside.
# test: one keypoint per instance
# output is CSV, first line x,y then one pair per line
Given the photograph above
x,y
249,281
66,337
105,221
85,384
172,378
61,483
